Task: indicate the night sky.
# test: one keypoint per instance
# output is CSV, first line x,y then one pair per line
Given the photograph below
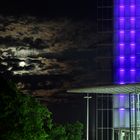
x,y
56,41
51,8
50,46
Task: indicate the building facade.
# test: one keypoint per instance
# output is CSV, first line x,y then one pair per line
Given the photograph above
x,y
118,116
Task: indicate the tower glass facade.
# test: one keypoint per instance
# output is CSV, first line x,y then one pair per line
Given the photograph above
x,y
126,114
121,19
104,121
126,117
127,32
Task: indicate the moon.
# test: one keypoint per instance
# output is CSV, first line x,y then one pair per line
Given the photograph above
x,y
22,64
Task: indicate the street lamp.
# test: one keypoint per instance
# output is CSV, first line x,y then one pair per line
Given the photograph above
x,y
87,97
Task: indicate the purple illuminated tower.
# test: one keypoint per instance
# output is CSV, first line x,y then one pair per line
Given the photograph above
x,y
127,64
126,39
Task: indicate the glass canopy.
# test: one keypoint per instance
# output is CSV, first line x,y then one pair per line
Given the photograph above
x,y
110,89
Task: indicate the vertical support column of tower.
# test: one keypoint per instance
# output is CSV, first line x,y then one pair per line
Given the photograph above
x,y
132,40
120,41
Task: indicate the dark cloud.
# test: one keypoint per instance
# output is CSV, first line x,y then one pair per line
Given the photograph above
x,y
58,53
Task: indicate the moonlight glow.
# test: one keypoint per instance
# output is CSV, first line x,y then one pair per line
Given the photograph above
x,y
22,64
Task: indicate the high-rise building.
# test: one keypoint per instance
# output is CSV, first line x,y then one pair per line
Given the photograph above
x,y
118,115
126,115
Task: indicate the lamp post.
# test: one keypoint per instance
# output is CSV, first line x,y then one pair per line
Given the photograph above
x,y
87,97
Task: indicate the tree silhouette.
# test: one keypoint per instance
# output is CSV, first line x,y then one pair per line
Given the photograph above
x,y
21,117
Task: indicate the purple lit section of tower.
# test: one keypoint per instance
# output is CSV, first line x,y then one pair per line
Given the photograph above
x,y
126,51
125,39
